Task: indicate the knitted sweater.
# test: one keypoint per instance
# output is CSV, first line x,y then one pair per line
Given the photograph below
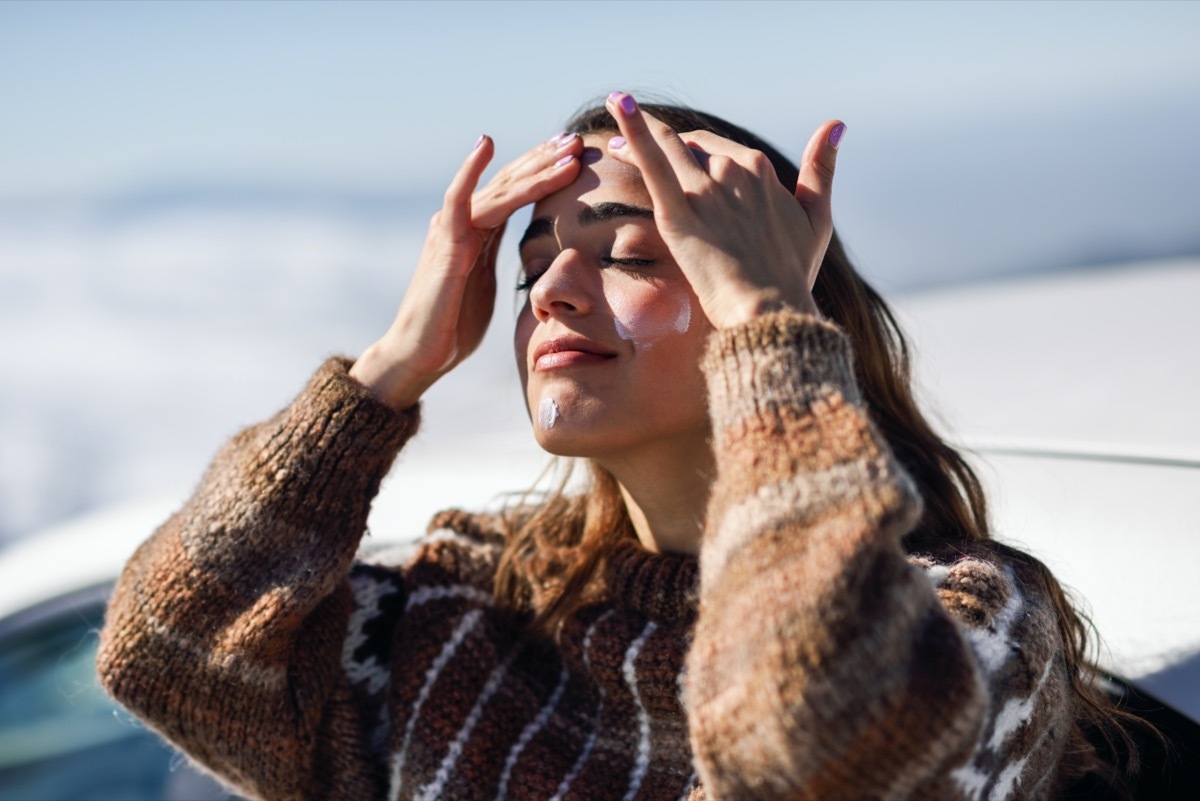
x,y
803,655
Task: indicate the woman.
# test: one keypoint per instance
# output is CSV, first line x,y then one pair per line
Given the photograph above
x,y
779,585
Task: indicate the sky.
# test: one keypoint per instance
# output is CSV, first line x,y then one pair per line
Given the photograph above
x,y
983,136
103,97
200,201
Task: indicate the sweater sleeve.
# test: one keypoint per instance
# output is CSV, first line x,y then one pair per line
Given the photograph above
x,y
225,631
826,663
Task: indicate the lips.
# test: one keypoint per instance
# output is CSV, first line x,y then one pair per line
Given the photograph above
x,y
569,351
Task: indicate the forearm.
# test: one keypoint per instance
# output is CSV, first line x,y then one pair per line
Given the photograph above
x,y
818,646
234,611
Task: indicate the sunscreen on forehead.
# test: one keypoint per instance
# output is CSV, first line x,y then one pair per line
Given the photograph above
x,y
547,413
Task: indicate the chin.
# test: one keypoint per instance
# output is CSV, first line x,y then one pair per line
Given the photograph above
x,y
562,443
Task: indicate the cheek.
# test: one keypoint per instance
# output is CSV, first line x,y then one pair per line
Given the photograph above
x,y
645,315
521,336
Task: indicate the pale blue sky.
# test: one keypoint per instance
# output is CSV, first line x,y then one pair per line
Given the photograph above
x,y
99,98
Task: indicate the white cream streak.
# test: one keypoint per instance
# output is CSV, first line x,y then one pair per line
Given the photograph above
x,y
547,413
645,331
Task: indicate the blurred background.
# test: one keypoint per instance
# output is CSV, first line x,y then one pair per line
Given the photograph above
x,y
201,201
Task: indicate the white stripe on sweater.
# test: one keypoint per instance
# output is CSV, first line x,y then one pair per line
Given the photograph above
x,y
426,594
1016,712
587,641
434,789
937,574
469,621
531,729
992,644
368,592
629,668
450,535
681,686
591,741
1007,780
582,760
970,780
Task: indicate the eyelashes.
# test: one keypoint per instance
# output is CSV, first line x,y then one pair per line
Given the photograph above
x,y
627,262
526,282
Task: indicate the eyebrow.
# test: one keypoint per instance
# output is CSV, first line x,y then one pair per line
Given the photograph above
x,y
588,215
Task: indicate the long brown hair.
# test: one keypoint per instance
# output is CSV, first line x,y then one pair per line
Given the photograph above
x,y
556,550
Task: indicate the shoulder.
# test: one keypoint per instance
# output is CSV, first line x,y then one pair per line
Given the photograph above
x,y
457,547
1000,597
1003,602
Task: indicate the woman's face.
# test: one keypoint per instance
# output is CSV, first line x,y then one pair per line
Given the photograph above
x,y
611,335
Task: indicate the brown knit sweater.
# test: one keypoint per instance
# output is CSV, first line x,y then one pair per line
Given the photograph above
x,y
803,656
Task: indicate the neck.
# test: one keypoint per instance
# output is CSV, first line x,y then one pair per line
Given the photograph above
x,y
666,493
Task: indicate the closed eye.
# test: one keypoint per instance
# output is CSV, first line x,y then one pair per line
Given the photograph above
x,y
627,262
528,280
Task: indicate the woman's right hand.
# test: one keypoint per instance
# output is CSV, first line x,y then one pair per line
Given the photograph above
x,y
448,304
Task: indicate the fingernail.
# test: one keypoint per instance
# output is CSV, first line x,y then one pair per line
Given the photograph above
x,y
556,137
625,101
478,142
616,143
564,161
835,136
566,140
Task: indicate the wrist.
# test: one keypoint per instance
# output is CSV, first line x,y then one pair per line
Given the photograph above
x,y
388,379
747,307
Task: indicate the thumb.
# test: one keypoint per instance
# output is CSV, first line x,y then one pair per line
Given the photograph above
x,y
814,186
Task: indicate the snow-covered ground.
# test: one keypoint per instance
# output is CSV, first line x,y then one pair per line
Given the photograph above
x,y
134,342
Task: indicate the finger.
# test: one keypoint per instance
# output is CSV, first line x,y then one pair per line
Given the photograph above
x,y
666,163
711,144
481,282
537,157
552,170
491,248
457,202
814,186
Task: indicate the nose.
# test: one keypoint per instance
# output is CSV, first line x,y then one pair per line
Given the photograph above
x,y
565,289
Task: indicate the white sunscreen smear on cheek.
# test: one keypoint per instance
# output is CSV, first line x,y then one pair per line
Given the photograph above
x,y
646,329
684,320
547,413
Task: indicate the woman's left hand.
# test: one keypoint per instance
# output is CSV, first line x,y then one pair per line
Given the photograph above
x,y
746,244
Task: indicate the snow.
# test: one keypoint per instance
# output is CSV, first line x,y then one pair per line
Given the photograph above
x,y
135,342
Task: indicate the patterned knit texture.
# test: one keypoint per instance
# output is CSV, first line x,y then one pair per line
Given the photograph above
x,y
804,655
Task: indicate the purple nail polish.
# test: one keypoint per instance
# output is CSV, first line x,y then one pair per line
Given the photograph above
x,y
835,136
554,139
615,96
478,142
564,161
565,140
628,104
616,143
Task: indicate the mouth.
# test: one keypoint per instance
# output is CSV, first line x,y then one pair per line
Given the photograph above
x,y
569,351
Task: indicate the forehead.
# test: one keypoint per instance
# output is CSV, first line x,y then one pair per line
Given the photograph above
x,y
601,179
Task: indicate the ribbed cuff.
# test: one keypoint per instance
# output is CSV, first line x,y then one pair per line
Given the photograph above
x,y
783,358
335,434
